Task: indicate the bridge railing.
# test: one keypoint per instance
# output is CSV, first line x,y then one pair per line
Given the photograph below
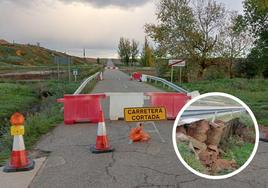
x,y
85,82
149,78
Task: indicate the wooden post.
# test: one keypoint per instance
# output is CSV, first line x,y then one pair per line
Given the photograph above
x,y
171,74
180,75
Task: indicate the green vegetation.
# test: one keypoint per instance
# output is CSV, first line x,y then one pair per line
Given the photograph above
x,y
128,51
189,157
253,92
42,114
238,151
20,92
15,97
147,55
31,55
254,21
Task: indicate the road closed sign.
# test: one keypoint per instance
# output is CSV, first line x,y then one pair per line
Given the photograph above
x,y
145,114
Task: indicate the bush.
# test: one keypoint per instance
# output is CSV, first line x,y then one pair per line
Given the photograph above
x,y
246,69
214,74
162,67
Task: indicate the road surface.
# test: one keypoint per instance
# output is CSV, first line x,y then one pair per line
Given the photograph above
x,y
152,164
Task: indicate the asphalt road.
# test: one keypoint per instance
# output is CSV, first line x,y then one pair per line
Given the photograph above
x,y
152,164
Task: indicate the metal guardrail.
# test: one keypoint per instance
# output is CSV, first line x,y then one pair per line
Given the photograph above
x,y
83,85
204,113
146,78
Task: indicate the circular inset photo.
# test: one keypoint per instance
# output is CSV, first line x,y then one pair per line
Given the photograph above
x,y
215,135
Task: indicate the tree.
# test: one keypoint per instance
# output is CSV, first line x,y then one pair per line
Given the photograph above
x,y
233,42
134,51
188,30
147,55
256,16
124,50
98,60
255,20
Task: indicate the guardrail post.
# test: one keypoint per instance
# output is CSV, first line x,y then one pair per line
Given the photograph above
x,y
174,87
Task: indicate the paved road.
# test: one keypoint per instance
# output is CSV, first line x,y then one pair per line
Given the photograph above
x,y
152,164
110,63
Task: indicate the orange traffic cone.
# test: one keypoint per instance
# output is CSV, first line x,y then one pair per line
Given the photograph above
x,y
19,158
102,143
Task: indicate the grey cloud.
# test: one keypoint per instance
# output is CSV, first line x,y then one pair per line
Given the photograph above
x,y
95,3
104,3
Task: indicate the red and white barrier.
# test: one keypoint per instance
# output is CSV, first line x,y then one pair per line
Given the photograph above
x,y
119,101
111,68
173,102
86,107
81,108
137,76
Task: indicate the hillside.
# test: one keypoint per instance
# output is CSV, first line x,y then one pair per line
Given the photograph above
x,y
31,55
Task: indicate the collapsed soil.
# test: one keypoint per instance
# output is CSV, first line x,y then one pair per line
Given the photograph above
x,y
209,142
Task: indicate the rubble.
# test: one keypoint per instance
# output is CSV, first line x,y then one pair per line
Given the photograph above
x,y
215,132
204,138
198,130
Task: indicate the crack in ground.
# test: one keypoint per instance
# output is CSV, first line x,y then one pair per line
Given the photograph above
x,y
146,178
187,181
164,173
158,171
155,185
144,153
256,167
249,182
110,165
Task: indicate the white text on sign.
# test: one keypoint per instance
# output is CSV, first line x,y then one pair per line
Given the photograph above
x,y
145,114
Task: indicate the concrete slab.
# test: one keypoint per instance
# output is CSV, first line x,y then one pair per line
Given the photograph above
x,y
20,179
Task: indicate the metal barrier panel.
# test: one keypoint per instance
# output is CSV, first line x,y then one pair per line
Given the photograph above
x,y
119,101
173,102
81,108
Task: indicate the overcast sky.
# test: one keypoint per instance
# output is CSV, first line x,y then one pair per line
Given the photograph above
x,y
71,25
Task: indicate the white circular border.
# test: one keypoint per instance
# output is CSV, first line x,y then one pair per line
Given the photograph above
x,y
205,175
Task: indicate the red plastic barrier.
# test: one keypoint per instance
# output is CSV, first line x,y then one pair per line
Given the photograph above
x,y
173,102
136,76
81,108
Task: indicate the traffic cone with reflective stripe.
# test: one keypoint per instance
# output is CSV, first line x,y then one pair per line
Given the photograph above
x,y
19,158
102,142
100,78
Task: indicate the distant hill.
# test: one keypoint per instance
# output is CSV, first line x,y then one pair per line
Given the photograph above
x,y
32,55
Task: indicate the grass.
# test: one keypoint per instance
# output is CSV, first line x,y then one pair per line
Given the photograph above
x,y
15,97
189,157
253,92
22,96
27,55
238,151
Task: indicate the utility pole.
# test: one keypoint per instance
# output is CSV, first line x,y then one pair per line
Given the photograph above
x,y
69,67
84,53
171,76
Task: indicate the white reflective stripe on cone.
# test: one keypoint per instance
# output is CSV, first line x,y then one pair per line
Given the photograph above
x,y
101,129
18,143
